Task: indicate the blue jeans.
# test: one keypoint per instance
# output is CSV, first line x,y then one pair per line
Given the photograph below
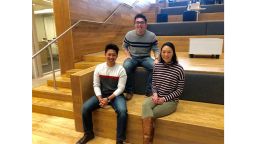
x,y
131,64
119,105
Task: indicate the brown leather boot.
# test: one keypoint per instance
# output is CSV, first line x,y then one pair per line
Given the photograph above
x,y
148,130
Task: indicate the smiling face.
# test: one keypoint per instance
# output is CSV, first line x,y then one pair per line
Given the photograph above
x,y
140,26
111,57
167,54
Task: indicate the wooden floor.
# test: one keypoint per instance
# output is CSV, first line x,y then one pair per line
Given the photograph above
x,y
58,130
199,63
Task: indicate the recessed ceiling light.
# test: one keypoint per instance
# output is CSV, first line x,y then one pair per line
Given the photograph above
x,y
48,1
44,11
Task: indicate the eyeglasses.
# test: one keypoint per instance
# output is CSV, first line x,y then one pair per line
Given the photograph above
x,y
140,22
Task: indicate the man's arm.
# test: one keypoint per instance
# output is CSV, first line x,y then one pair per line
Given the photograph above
x,y
121,83
126,46
96,83
127,53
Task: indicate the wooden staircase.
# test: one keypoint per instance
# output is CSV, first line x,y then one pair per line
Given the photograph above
x,y
47,100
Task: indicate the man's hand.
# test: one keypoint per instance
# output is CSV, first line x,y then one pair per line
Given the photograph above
x,y
156,61
128,57
103,102
127,54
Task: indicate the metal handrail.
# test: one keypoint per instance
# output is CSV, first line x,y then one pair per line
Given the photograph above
x,y
71,27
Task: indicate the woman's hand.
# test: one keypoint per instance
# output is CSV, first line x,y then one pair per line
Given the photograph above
x,y
160,101
155,98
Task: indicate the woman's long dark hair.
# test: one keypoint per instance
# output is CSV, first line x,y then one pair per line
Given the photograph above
x,y
174,57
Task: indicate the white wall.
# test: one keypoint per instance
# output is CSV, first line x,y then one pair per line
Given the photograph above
x,y
49,26
40,27
45,26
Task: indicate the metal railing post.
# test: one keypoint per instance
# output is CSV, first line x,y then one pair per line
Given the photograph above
x,y
53,72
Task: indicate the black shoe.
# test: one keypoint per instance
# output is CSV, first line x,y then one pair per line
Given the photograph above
x,y
148,94
85,139
128,96
119,142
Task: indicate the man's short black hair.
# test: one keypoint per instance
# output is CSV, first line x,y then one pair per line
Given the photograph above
x,y
111,46
140,16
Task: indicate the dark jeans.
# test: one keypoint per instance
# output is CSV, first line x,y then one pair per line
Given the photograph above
x,y
131,64
119,105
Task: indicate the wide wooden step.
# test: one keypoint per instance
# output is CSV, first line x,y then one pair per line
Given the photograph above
x,y
84,65
193,122
48,129
101,55
49,92
62,82
71,71
52,107
182,42
91,58
201,17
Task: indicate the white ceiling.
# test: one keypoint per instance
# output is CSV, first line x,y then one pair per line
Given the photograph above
x,y
41,4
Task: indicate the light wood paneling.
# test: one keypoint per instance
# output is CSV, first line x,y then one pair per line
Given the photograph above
x,y
100,10
151,13
175,18
87,37
65,44
81,86
93,37
211,16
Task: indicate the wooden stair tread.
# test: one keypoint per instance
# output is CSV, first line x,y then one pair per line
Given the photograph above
x,y
92,63
61,79
49,89
49,92
55,104
207,64
61,82
52,129
84,64
91,58
72,71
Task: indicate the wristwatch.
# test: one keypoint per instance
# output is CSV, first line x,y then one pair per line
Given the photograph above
x,y
108,99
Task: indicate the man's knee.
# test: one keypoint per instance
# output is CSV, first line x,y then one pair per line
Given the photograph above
x,y
122,112
86,108
129,65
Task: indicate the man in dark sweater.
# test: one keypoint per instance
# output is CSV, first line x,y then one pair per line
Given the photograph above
x,y
137,45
